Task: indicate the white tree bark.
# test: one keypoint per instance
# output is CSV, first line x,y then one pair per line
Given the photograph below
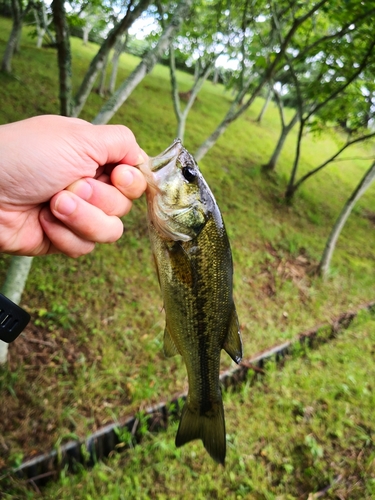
x,y
265,105
285,129
103,76
13,287
145,66
218,132
6,64
40,31
198,82
118,49
85,32
98,61
237,108
342,218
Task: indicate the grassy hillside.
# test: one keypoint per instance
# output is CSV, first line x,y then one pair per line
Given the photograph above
x,y
93,352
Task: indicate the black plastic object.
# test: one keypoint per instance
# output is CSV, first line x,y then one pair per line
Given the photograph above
x,y
13,319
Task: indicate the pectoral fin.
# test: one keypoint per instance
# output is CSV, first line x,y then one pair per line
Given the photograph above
x,y
170,348
233,342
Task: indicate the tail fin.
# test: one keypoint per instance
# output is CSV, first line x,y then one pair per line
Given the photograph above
x,y
210,428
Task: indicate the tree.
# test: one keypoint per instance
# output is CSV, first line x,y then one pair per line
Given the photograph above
x,y
332,158
200,77
362,187
18,273
134,10
63,56
353,111
19,11
42,22
265,104
285,129
69,105
260,57
202,39
119,47
146,65
337,80
12,288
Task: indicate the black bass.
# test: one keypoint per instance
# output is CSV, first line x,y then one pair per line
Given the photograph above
x,y
195,271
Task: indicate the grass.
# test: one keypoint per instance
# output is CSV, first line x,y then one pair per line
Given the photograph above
x,y
93,352
315,438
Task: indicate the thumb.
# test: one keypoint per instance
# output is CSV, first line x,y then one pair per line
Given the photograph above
x,y
115,144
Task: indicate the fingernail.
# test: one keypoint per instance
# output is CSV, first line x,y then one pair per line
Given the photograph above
x,y
127,178
65,204
83,189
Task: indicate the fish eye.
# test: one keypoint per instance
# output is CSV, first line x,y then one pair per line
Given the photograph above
x,y
189,174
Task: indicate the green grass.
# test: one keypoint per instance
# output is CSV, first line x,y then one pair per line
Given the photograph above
x,y
101,314
292,432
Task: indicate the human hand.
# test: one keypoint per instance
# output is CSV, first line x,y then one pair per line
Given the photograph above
x,y
64,184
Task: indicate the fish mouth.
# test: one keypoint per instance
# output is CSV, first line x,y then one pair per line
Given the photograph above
x,y
167,156
159,166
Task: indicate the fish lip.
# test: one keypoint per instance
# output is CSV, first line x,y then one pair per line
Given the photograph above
x,y
166,157
160,165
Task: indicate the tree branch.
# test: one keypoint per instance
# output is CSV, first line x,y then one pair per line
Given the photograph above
x,y
331,159
98,61
145,66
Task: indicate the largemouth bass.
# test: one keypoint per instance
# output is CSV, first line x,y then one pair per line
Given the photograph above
x,y
195,271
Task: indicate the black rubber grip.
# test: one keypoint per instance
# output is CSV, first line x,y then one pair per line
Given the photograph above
x,y
13,319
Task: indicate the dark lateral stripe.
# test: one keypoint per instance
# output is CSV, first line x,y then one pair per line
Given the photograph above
x,y
205,359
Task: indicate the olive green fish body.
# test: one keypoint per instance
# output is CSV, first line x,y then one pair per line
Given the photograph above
x,y
196,280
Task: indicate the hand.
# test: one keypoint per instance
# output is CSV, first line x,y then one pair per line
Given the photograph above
x,y
64,183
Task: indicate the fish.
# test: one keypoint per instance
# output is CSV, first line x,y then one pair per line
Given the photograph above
x,y
195,271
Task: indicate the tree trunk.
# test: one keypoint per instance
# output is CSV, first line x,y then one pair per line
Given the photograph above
x,y
215,78
292,185
285,129
265,105
98,61
212,139
12,288
118,49
40,31
145,66
10,49
342,218
174,89
85,33
199,80
237,108
291,188
63,56
103,74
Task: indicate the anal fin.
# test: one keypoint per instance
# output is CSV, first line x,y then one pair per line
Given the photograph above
x,y
170,348
233,342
